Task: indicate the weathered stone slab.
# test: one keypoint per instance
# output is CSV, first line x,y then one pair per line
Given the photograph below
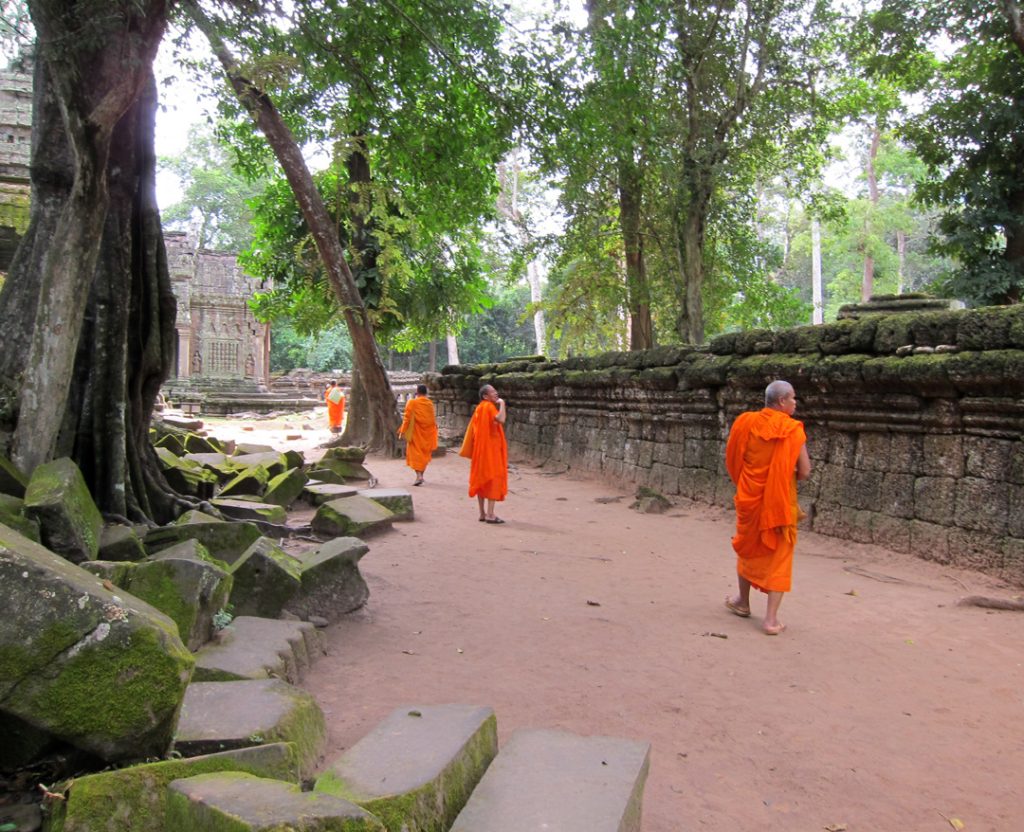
x,y
351,516
69,522
114,571
13,516
285,488
266,580
196,444
250,480
243,803
250,510
545,779
188,590
416,770
294,459
12,481
74,644
134,799
225,541
220,716
332,584
273,462
344,468
318,493
346,454
185,475
120,543
326,475
396,500
259,648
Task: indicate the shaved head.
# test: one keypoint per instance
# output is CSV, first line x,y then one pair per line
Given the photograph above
x,y
776,392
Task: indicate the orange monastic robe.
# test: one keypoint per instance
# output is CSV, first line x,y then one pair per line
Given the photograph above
x,y
488,467
761,457
335,410
419,430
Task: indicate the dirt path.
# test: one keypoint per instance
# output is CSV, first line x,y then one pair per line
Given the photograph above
x,y
884,707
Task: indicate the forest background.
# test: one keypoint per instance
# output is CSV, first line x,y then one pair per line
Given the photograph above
x,y
854,137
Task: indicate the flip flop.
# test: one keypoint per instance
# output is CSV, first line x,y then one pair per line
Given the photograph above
x,y
736,609
483,519
495,521
418,483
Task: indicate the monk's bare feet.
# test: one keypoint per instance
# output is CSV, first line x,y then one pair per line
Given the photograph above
x,y
773,629
736,607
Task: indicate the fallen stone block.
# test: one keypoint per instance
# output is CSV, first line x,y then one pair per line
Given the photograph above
x,y
317,493
246,448
294,459
332,584
120,543
225,541
544,779
266,580
173,442
284,489
346,454
396,500
191,591
250,510
416,770
326,475
98,669
186,476
250,480
243,803
115,572
273,462
351,516
220,716
59,500
196,444
12,481
259,648
134,799
13,516
344,468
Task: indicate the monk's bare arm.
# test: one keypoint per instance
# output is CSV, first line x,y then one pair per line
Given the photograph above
x,y
500,418
803,464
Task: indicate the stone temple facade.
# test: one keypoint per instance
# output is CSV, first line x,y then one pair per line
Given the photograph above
x,y
220,343
15,153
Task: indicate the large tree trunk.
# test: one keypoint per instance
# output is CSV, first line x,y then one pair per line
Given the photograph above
x,y
96,66
127,309
641,330
867,284
383,410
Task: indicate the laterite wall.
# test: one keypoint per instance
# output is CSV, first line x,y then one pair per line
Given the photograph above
x,y
914,423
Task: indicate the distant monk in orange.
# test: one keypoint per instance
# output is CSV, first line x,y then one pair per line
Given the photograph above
x,y
765,455
419,430
335,398
488,468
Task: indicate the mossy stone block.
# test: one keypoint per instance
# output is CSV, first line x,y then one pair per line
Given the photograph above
x,y
219,716
344,468
196,444
332,585
417,768
248,509
317,492
121,543
285,488
187,476
396,500
266,580
12,481
58,498
273,462
250,480
346,454
134,799
99,669
172,442
116,572
236,802
354,515
251,647
188,590
294,459
12,515
225,541
246,448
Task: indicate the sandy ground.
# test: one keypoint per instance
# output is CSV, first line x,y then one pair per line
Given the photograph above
x,y
883,706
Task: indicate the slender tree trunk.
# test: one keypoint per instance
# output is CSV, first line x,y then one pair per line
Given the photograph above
x,y
901,256
453,349
867,285
641,330
432,356
383,415
816,296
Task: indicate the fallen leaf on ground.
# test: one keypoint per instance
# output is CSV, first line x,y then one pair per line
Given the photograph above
x,y
593,603
851,592
836,827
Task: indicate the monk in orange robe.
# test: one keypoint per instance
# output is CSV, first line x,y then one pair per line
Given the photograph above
x,y
488,467
335,398
765,455
419,430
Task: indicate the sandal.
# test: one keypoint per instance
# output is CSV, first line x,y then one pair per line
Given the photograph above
x,y
495,521
736,609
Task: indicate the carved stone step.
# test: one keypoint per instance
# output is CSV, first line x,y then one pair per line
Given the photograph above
x,y
546,779
219,716
417,768
216,802
259,648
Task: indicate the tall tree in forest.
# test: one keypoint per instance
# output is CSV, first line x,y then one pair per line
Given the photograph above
x,y
968,132
80,378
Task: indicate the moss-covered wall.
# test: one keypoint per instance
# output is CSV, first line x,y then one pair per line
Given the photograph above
x,y
914,423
